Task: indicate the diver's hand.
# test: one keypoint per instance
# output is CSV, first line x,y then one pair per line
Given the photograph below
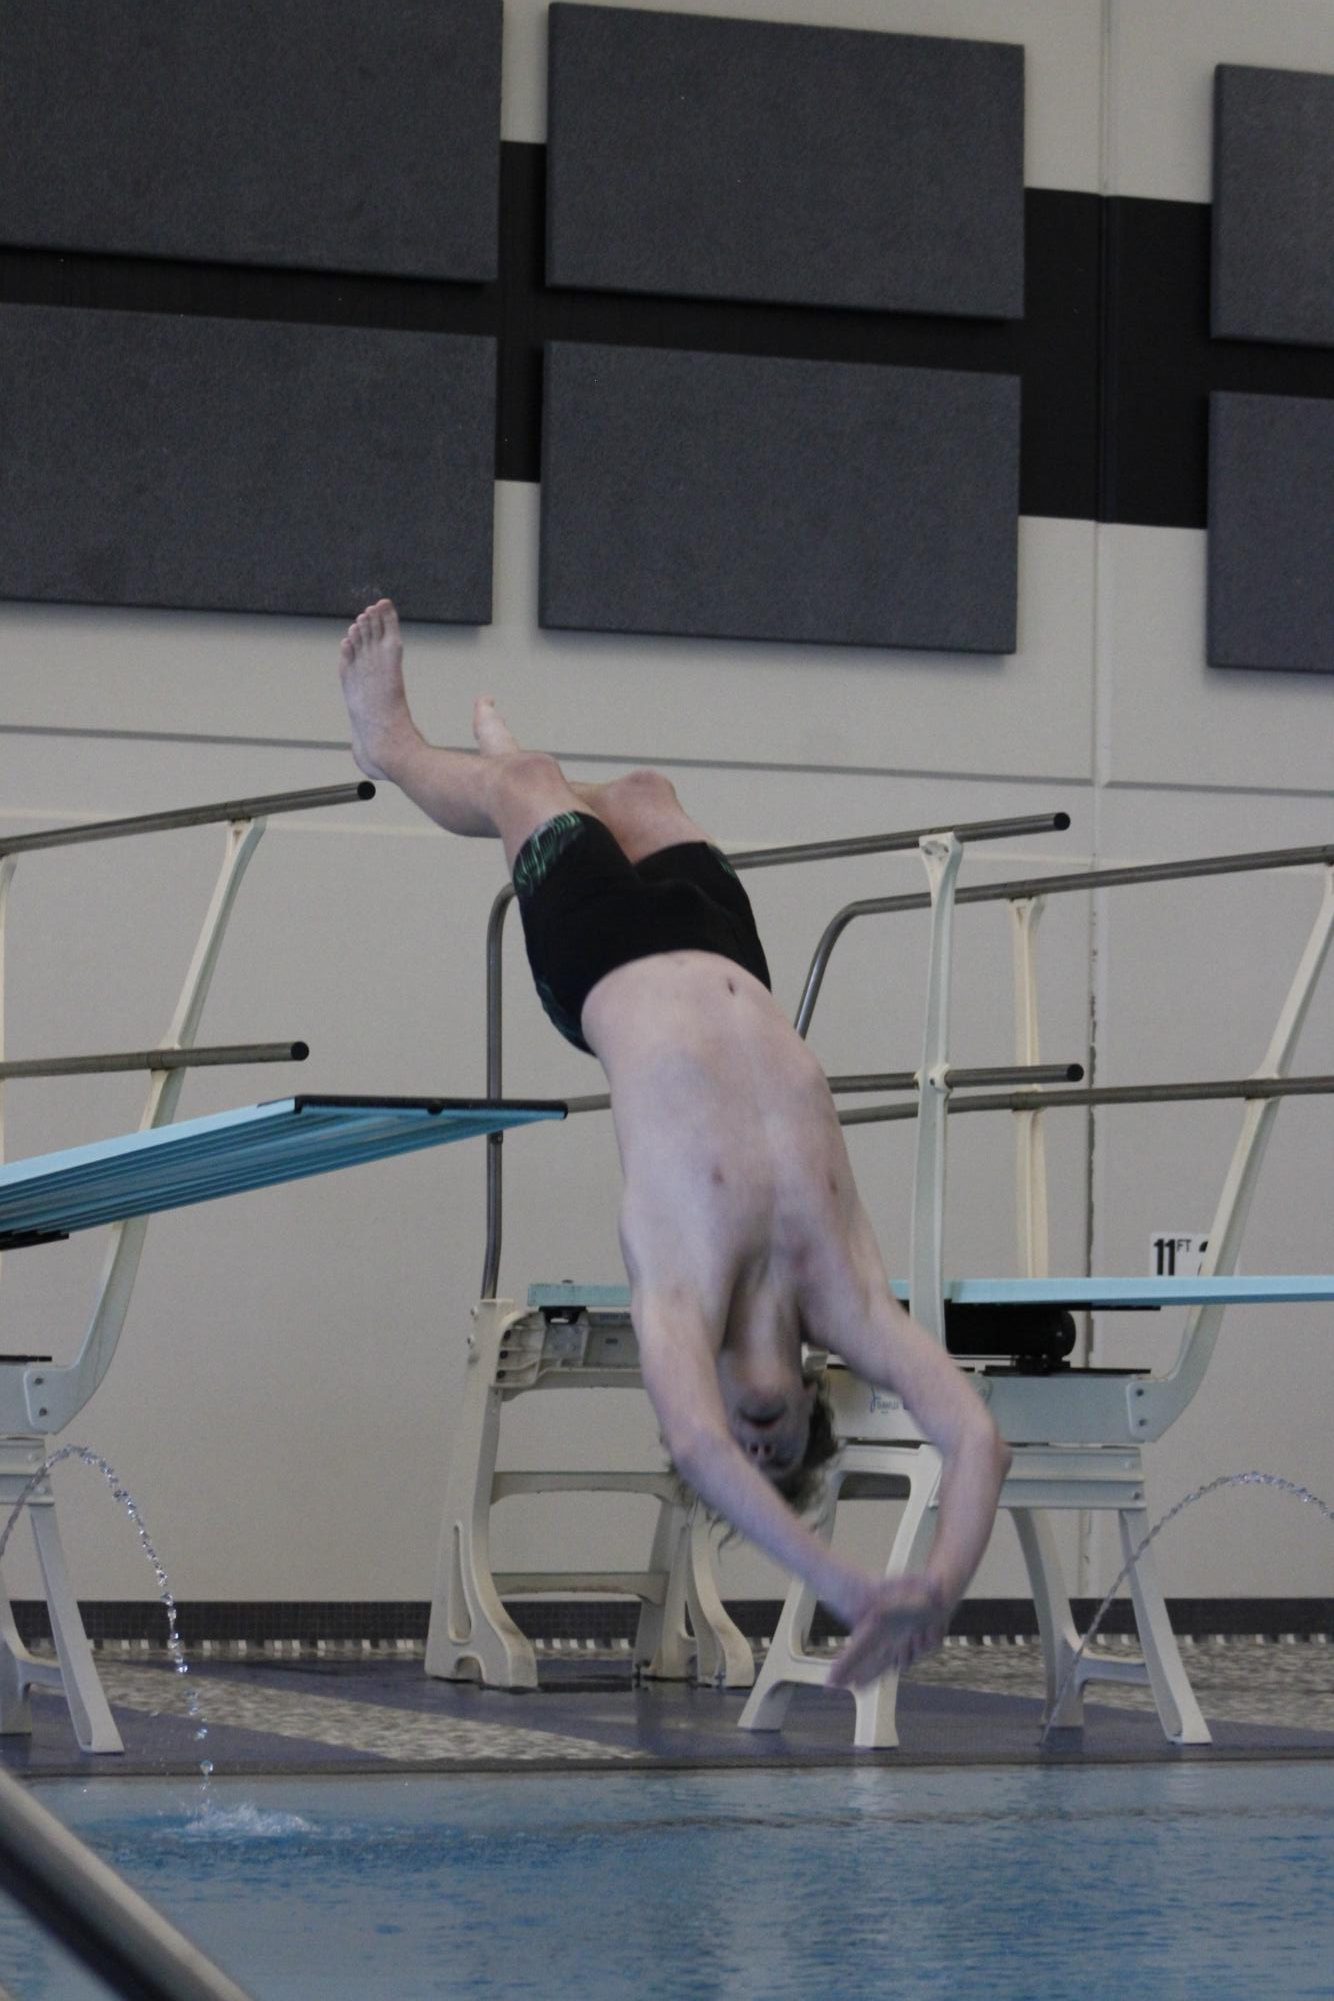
x,y
899,1620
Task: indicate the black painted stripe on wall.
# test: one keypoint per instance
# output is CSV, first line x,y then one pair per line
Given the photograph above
x,y
1161,364
344,1622
1114,350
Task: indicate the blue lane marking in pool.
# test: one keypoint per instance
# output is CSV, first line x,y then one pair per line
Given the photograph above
x,y
1149,1883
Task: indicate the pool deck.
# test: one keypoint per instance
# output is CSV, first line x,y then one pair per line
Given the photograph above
x,y
375,1710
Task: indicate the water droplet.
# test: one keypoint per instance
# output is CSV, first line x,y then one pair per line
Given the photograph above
x,y
119,1493
206,1767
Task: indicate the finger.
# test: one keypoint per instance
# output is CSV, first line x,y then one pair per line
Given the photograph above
x,y
841,1671
867,1657
864,1659
871,1648
846,1668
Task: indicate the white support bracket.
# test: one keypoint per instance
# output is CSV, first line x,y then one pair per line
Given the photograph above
x,y
1155,1404
941,854
54,1396
1029,1135
72,1672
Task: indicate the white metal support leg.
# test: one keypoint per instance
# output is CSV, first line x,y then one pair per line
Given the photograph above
x,y
470,1632
664,1647
1109,1481
1030,1143
54,1395
1173,1695
691,1631
15,1679
789,1661
1155,1407
1056,1623
942,854
876,1726
88,1706
723,1654
73,1671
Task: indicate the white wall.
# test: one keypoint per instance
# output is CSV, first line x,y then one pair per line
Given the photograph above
x,y
281,1403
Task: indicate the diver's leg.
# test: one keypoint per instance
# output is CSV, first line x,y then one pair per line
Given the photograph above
x,y
642,811
503,792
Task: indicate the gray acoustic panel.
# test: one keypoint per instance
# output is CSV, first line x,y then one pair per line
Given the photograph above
x,y
741,497
1273,219
322,133
237,466
756,160
1271,532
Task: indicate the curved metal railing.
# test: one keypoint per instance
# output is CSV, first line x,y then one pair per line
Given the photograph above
x,y
1018,891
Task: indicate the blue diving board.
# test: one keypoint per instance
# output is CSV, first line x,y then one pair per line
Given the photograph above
x,y
1272,1287
1071,1292
197,1160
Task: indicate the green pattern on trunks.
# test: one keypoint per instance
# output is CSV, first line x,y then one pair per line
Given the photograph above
x,y
558,1016
542,849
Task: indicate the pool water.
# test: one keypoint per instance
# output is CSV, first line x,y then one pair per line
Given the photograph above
x,y
1011,1884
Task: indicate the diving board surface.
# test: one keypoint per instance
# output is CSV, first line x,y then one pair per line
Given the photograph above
x,y
197,1160
1270,1288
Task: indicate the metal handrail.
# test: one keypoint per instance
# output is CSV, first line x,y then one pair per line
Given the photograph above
x,y
1043,885
95,1914
996,1075
188,816
1015,891
155,1059
904,1080
799,851
899,843
1108,1094
245,820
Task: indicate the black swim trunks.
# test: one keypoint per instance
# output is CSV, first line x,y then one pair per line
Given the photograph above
x,y
588,909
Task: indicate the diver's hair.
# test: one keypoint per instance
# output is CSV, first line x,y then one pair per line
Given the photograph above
x,y
802,1488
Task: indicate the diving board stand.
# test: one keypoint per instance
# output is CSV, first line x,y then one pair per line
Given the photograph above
x,y
130,1178
570,1338
883,1457
123,1181
1076,1432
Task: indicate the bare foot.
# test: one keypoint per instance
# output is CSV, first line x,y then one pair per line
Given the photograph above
x,y
490,728
370,664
